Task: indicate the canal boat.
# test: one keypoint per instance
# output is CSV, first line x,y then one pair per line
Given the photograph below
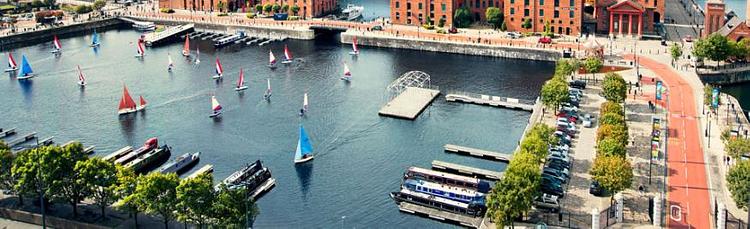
x,y
141,103
186,47
127,105
287,56
219,70
241,82
304,147
94,39
215,108
170,64
230,39
26,71
255,178
140,52
181,163
267,95
445,191
144,26
56,45
147,161
81,77
148,146
426,200
118,154
447,179
347,74
205,169
12,66
355,49
271,60
352,12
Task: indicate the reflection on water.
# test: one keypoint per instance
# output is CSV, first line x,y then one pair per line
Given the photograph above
x,y
304,175
127,125
27,90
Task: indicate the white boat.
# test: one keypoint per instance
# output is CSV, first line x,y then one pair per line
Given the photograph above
x,y
127,105
140,52
267,95
271,60
144,26
81,77
241,82
215,108
353,11
12,66
57,45
355,49
94,39
186,47
26,72
142,104
347,74
304,106
180,163
304,151
219,70
197,55
287,56
170,64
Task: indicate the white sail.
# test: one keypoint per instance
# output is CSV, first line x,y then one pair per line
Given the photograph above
x,y
305,103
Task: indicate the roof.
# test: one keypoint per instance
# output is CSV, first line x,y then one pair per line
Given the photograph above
x,y
730,26
627,5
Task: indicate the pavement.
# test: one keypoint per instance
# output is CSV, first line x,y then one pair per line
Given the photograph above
x,y
680,19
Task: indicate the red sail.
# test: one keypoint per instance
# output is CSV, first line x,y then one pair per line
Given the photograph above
x,y
143,101
126,102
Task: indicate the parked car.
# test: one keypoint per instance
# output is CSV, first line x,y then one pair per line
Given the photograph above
x,y
555,177
564,137
547,202
514,35
545,40
453,30
588,120
377,28
552,191
595,189
557,172
565,115
578,84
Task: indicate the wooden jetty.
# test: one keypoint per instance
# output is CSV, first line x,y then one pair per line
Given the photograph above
x,y
89,150
152,39
495,101
46,141
462,169
21,139
410,103
253,40
118,154
495,156
265,187
464,220
205,169
8,132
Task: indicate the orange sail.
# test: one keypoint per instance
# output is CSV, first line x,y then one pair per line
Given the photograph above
x,y
143,102
186,49
126,102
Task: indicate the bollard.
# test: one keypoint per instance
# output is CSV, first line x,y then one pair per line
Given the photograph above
x,y
595,218
721,217
657,211
618,207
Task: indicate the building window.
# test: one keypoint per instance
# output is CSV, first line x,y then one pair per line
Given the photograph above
x,y
557,14
408,6
541,13
492,4
398,16
525,2
512,12
443,6
525,12
541,2
557,3
512,1
476,4
656,2
573,4
432,7
420,5
397,5
484,4
572,14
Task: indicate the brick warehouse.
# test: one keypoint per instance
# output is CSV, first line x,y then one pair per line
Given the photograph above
x,y
308,8
415,12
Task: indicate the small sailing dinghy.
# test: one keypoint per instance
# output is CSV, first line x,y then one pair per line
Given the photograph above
x,y
127,105
347,74
219,70
267,95
139,49
241,82
12,66
355,49
304,147
304,106
142,105
287,56
271,60
197,55
94,39
186,48
215,108
26,72
81,77
171,63
57,45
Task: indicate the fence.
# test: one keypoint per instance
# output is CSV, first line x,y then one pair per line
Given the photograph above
x,y
561,219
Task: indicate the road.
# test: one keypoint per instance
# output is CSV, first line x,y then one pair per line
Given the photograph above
x,y
680,19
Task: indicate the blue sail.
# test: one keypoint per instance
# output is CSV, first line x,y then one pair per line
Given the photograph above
x,y
303,145
95,38
25,67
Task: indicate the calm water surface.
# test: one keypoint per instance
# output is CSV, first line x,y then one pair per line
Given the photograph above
x,y
360,156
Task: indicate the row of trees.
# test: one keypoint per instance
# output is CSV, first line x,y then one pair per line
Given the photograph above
x,y
555,90
67,175
514,195
611,169
738,176
719,48
276,8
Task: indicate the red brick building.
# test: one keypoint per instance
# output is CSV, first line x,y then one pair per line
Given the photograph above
x,y
628,17
415,12
563,16
307,8
714,18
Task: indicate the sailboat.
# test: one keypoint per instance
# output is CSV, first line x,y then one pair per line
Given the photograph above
x,y
197,55
271,60
81,77
171,63
304,147
347,74
142,103
56,43
219,70
355,49
94,39
26,71
241,83
12,66
304,106
267,95
215,107
186,48
127,105
287,56
139,50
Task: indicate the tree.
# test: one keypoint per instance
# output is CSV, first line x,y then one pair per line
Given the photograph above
x,y
276,8
547,30
612,119
675,51
195,197
462,17
233,207
737,147
50,3
614,174
494,16
99,4
616,132
738,183
34,170
611,107
7,181
534,145
526,23
101,178
285,8
715,47
68,186
127,182
161,187
259,8
564,67
37,4
220,6
428,20
295,9
515,193
614,87
503,26
268,7
554,92
544,132
611,147
441,22
592,65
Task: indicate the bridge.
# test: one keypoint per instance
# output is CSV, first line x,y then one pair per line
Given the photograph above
x,y
329,28
170,33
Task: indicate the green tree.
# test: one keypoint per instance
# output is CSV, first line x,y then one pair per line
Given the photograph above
x,y
295,9
544,132
127,182
614,87
611,147
736,147
494,16
195,197
51,3
220,6
441,22
232,207
555,92
611,107
616,132
268,7
428,20
161,187
515,193
715,47
612,119
285,8
276,8
68,185
34,171
99,4
592,65
613,173
564,67
503,26
534,145
547,30
462,17
101,178
7,181
738,183
259,8
676,51
37,4
526,23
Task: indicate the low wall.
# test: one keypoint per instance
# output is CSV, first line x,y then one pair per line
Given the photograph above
x,y
254,31
728,77
453,47
52,222
45,35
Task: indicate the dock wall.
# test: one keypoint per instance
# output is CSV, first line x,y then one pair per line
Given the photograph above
x,y
54,222
740,75
253,31
45,35
453,47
